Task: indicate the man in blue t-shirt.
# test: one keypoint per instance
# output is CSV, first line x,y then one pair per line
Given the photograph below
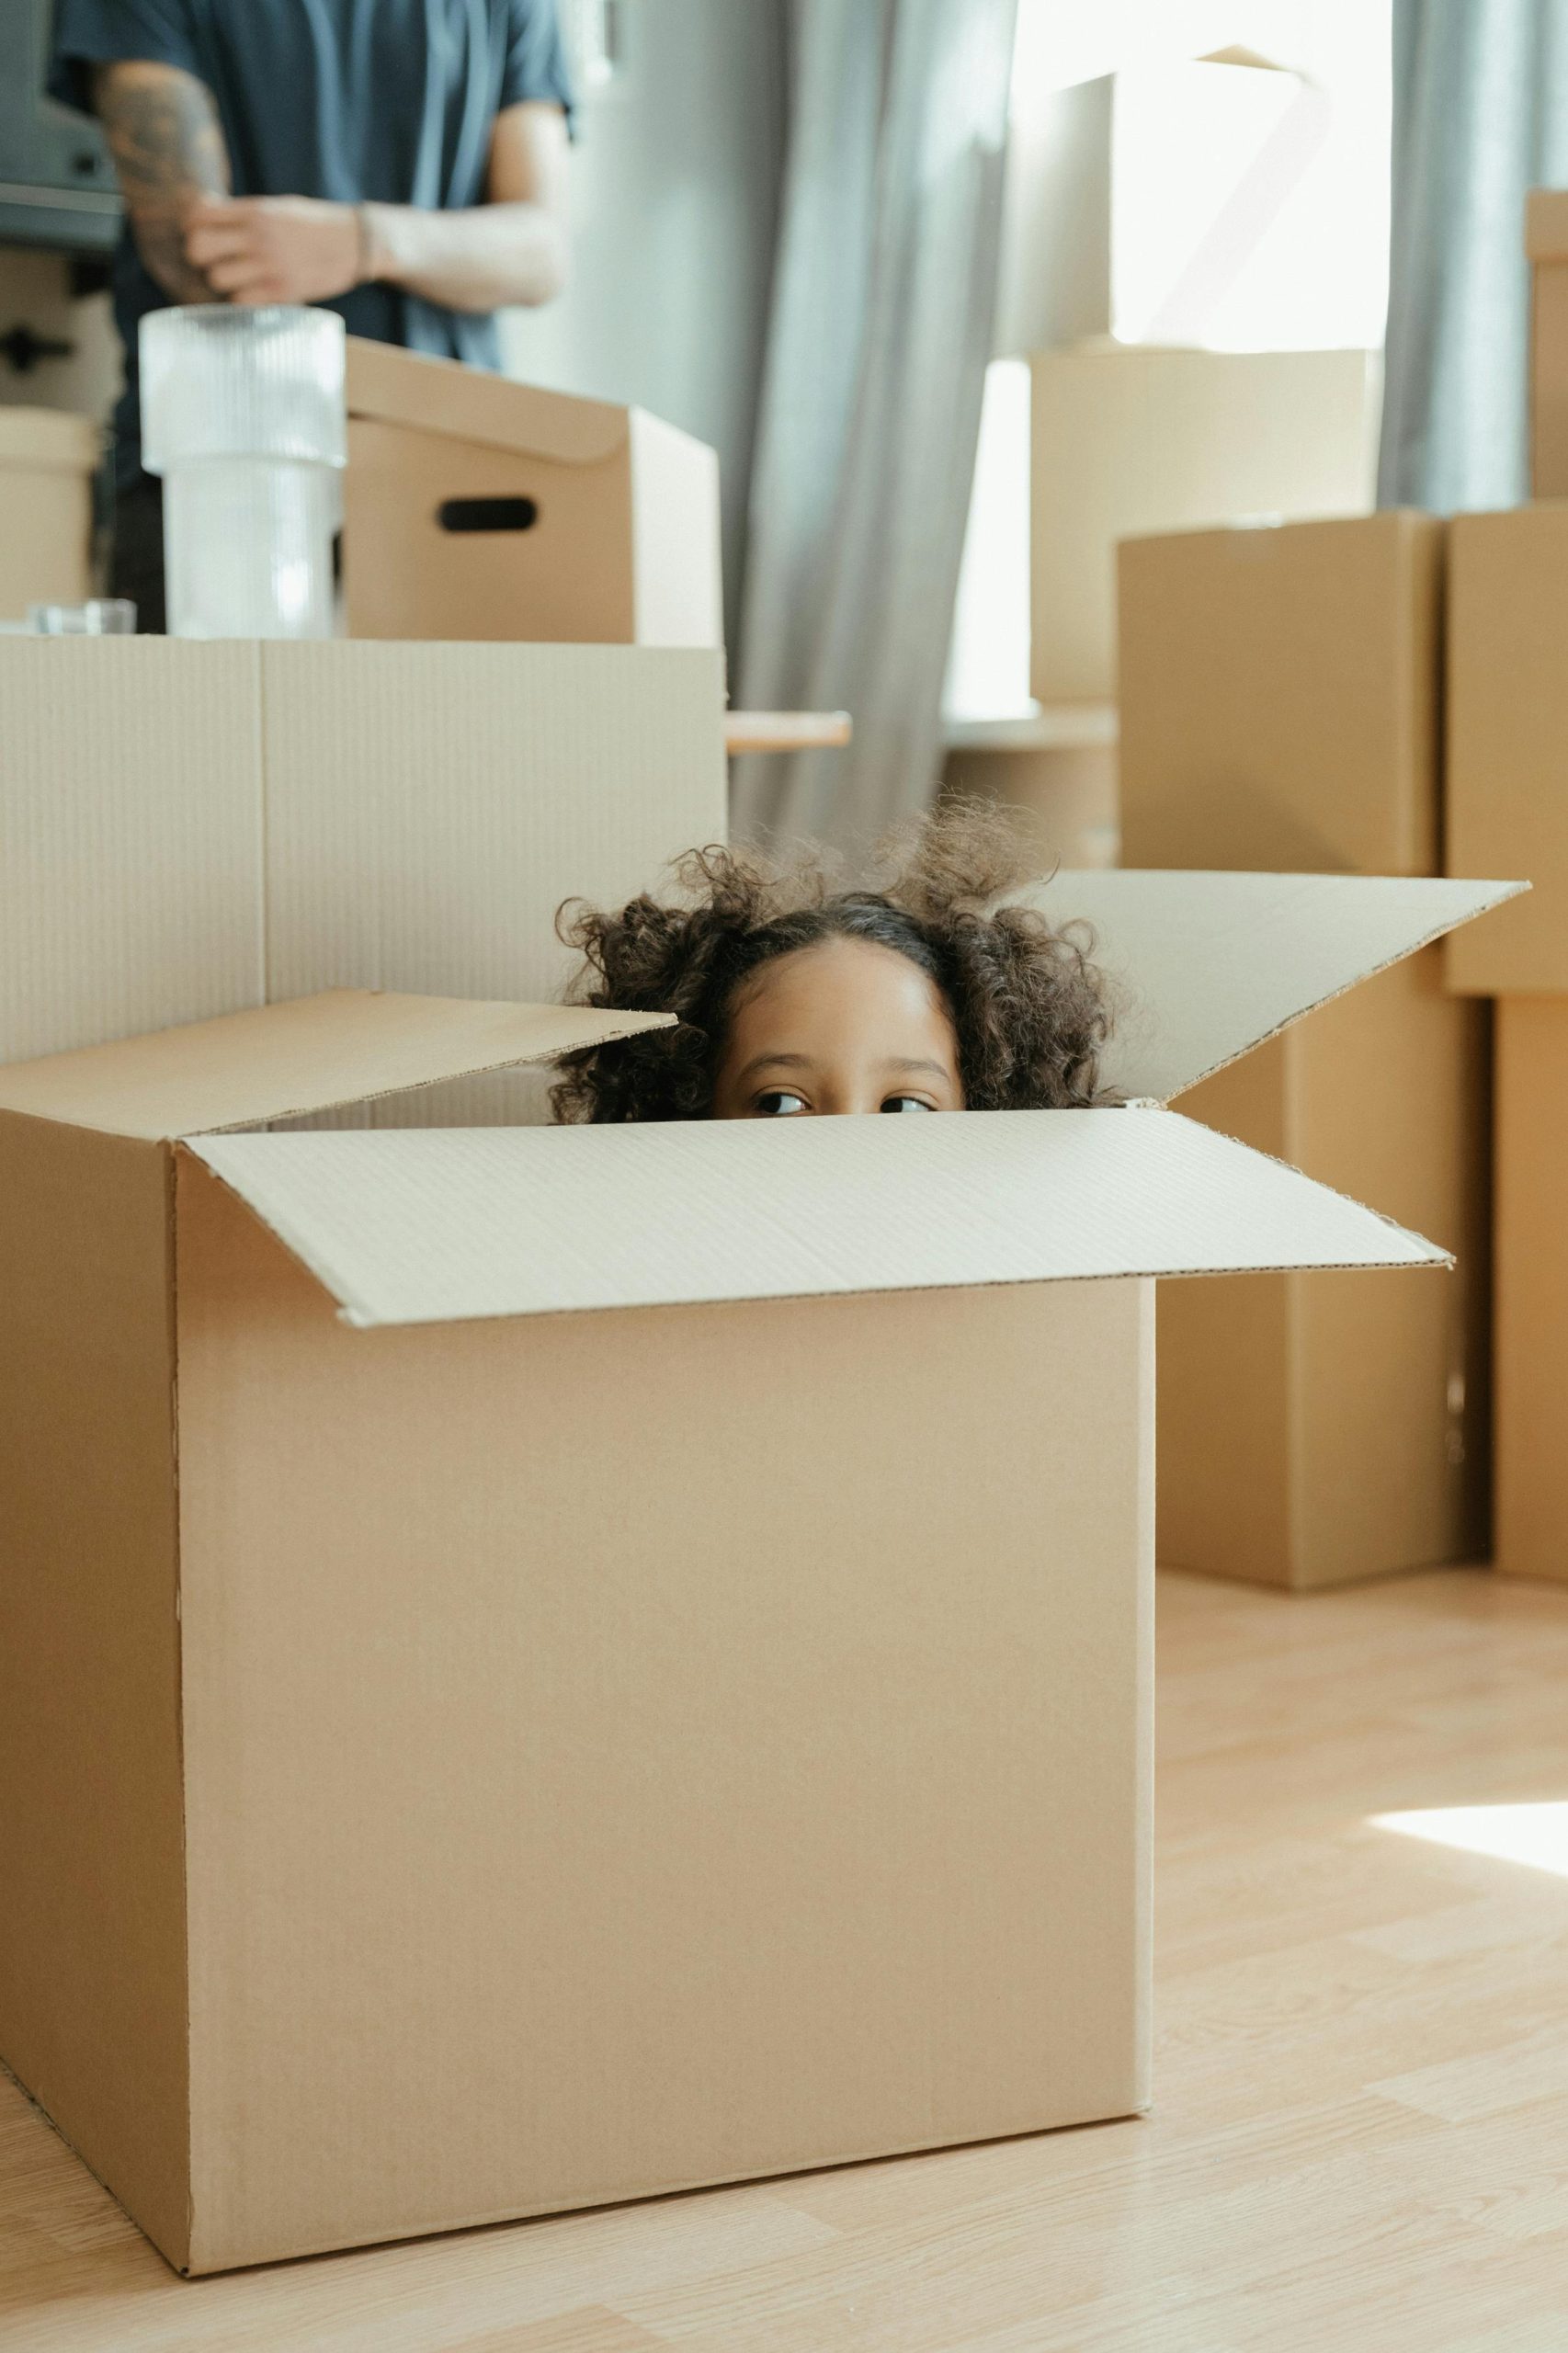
x,y
401,162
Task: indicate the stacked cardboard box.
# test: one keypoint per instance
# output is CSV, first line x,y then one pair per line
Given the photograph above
x,y
1126,440
1280,708
1508,794
539,1666
1507,726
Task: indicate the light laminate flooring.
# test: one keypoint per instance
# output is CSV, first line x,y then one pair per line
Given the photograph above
x,y
1361,2134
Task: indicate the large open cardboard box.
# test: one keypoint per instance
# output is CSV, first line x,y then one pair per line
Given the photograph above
x,y
475,508
1281,696
540,1667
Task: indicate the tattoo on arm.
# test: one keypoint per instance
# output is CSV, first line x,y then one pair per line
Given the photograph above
x,y
163,130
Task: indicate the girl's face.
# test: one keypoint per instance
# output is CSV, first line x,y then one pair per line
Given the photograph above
x,y
842,1026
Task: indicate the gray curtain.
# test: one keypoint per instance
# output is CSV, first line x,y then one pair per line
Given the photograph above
x,y
1481,115
879,332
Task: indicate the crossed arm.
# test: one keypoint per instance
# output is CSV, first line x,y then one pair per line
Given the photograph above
x,y
204,245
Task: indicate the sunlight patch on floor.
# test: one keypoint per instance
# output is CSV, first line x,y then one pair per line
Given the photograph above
x,y
1536,1835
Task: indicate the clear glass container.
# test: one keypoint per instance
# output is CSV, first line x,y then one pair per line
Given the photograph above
x,y
99,617
243,415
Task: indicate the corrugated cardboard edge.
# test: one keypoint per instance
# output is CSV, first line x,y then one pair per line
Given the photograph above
x,y
1505,890
608,2200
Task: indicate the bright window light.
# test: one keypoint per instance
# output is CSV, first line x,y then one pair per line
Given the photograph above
x,y
1233,182
1228,190
988,668
1536,1835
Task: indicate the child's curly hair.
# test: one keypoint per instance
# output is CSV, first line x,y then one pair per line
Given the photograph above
x,y
1029,1009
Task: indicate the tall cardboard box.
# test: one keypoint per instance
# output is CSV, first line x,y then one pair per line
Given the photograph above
x,y
1546,242
1507,792
46,463
1281,696
475,508
1319,1433
1281,707
1531,1517
431,1792
1131,440
1507,780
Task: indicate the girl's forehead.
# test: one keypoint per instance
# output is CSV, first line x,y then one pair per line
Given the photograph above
x,y
837,965
839,985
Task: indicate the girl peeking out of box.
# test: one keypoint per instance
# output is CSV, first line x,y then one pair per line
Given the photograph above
x,y
926,994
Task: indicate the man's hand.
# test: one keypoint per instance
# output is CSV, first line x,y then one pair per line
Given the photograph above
x,y
254,249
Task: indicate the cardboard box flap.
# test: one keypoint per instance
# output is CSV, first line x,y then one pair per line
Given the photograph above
x,y
1207,966
416,1226
472,404
280,1060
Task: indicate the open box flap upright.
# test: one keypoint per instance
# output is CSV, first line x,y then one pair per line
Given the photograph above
x,y
1208,965
309,1055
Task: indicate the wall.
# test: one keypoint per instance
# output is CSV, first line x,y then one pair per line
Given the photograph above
x,y
674,194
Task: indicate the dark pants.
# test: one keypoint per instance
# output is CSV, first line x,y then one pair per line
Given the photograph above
x,y
136,561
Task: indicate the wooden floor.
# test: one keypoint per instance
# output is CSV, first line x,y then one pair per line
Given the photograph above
x,y
1361,2136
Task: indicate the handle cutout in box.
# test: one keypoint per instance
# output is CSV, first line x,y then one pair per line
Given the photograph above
x,y
487,514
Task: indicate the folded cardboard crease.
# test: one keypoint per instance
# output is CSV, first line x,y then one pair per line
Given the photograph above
x,y
520,1758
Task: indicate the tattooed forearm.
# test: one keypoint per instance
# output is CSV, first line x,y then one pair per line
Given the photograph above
x,y
167,144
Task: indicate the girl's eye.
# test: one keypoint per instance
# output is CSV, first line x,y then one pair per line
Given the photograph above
x,y
778,1104
907,1103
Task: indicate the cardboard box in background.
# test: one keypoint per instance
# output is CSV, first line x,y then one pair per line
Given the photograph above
x,y
1281,696
475,508
1128,441
1546,243
1318,1433
1531,1509
426,809
46,463
1054,775
1133,202
1508,739
448,1809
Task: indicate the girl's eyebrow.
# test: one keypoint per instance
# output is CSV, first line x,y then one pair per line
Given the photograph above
x,y
907,1061
776,1062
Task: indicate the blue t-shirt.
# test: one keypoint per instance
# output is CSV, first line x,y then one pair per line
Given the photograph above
x,y
358,101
